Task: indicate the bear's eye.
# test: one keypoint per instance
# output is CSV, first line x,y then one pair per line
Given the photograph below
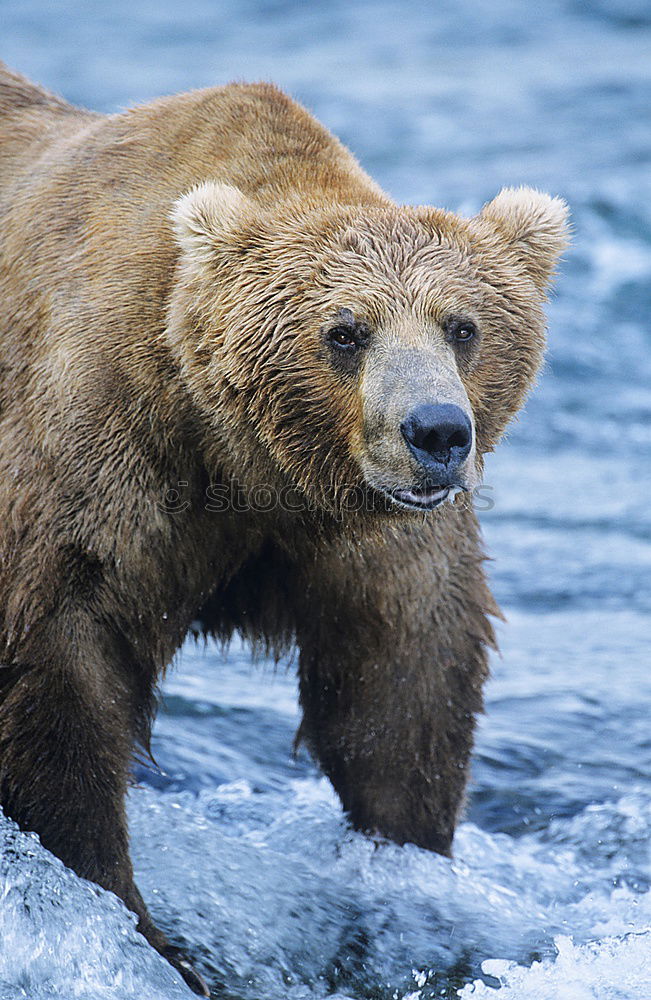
x,y
346,340
344,337
460,330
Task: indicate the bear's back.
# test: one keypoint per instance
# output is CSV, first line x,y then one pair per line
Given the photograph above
x,y
86,242
94,193
29,116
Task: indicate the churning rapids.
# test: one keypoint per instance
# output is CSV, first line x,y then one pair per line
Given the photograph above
x,y
241,850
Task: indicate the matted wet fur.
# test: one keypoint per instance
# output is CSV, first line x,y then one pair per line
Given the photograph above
x,y
209,291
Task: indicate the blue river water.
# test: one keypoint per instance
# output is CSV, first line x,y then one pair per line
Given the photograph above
x,y
242,851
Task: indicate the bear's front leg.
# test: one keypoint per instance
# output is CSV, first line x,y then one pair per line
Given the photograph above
x,y
66,732
393,637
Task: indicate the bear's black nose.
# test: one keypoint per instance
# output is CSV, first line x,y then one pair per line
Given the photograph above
x,y
438,434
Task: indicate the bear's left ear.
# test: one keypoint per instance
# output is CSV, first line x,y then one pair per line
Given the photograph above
x,y
207,218
534,226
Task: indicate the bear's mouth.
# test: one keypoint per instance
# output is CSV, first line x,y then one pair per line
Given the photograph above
x,y
424,499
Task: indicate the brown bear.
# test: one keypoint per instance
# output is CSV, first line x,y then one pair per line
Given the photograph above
x,y
238,382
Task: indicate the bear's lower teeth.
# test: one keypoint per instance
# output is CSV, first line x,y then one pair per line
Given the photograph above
x,y
421,498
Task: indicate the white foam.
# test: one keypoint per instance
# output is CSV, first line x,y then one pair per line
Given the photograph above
x,y
611,969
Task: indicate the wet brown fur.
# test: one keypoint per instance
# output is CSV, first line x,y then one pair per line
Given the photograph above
x,y
129,364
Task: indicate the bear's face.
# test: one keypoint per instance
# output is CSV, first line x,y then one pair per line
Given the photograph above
x,y
376,347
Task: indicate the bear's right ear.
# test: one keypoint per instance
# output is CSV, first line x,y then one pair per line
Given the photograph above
x,y
205,218
533,226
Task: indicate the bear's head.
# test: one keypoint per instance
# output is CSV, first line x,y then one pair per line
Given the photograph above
x,y
346,347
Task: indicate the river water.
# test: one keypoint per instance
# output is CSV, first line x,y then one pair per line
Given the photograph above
x,y
243,851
